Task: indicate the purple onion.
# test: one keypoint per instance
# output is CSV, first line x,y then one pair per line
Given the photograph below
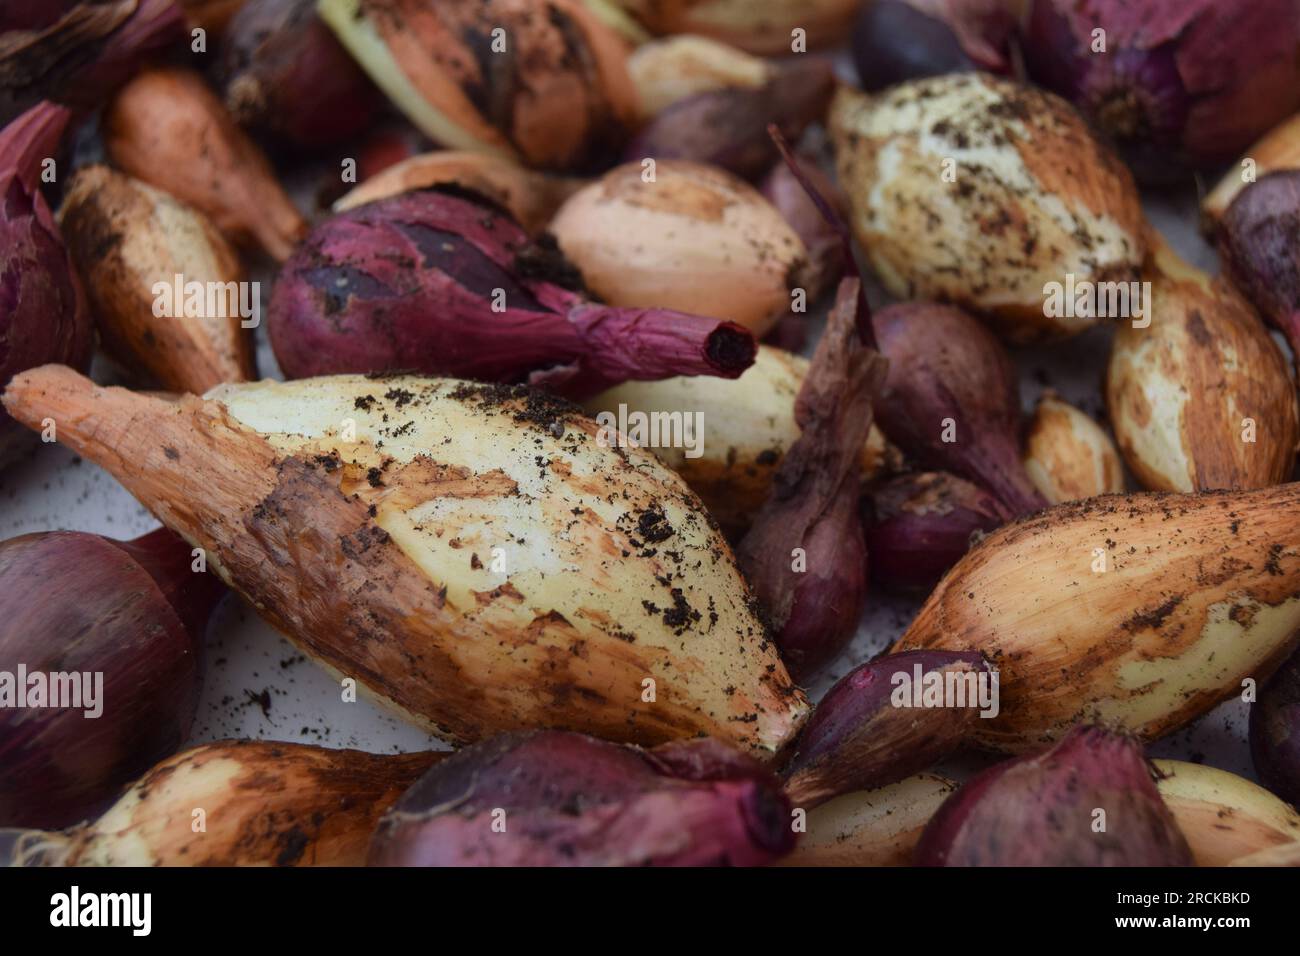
x,y
445,285
782,189
1275,731
284,72
920,524
1089,801
43,313
804,554
728,127
1181,84
75,603
554,798
897,40
873,728
951,400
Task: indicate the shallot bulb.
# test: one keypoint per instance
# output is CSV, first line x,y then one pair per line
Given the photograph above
x,y
1068,456
674,68
1275,731
447,285
759,26
896,40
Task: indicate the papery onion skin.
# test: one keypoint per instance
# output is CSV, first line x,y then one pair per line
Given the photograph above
x,y
1089,801
951,399
283,71
43,312
919,525
443,284
1277,151
868,732
1068,456
133,612
824,245
677,67
896,40
1182,84
570,800
1275,731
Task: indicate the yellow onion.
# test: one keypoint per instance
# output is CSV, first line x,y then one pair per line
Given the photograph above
x,y
759,26
531,197
693,238
1141,611
978,191
542,81
1201,398
1068,456
678,67
125,238
1224,817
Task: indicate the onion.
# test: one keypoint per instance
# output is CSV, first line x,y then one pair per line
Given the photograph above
x,y
43,314
446,285
693,238
541,81
564,799
124,621
883,721
125,237
824,243
1277,151
919,525
1089,801
676,68
805,555
1067,455
759,26
167,128
951,400
1181,83
1275,731
728,127
896,40
283,71
79,58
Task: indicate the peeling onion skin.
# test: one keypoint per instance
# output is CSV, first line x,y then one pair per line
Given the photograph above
x,y
133,611
43,312
1183,84
1181,393
1068,456
1224,817
697,239
378,562
1041,810
450,285
757,26
1275,731
1199,592
949,378
265,803
897,40
919,525
1277,151
1035,197
571,800
860,738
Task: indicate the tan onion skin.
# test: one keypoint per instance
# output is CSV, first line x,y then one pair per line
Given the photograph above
x,y
758,26
1225,818
531,197
264,803
1279,149
748,426
167,128
870,827
676,67
124,236
1199,593
380,563
1178,391
1035,197
1068,456
696,239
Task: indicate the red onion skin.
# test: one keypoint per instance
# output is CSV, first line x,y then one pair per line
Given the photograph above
x,y
944,365
73,602
408,283
1275,732
920,525
573,800
43,313
283,71
728,127
1182,84
1257,240
897,40
857,739
1040,811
